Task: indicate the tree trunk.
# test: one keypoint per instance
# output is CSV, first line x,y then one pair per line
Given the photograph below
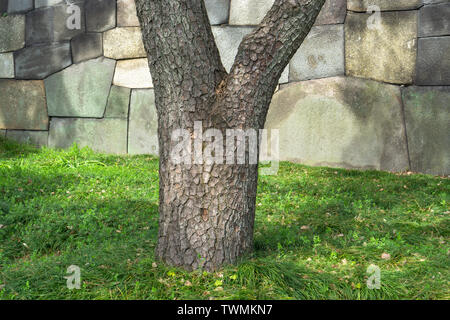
x,y
207,210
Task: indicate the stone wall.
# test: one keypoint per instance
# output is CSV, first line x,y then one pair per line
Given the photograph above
x,y
361,92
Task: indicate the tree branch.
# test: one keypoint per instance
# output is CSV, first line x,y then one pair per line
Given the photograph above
x,y
264,54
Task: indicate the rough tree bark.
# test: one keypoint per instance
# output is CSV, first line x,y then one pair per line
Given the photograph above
x,y
207,211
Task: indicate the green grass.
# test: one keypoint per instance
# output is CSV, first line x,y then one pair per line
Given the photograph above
x,y
317,231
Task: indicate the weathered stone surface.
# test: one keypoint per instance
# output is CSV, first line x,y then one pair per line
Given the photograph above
x,y
22,105
133,73
249,12
427,115
320,55
143,125
38,62
333,12
12,35
126,14
228,40
80,90
6,65
101,135
37,138
384,5
100,15
387,53
433,61
123,43
46,3
19,6
3,9
118,102
49,24
341,122
218,11
434,20
86,46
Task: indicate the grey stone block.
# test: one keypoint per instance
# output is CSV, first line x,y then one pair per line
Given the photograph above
x,y
101,135
133,73
6,65
41,61
12,35
50,24
143,125
228,40
386,52
427,115
340,122
3,8
86,46
23,105
46,3
433,61
19,6
333,12
118,102
126,14
384,5
36,138
218,11
320,55
80,90
124,43
249,12
434,20
100,15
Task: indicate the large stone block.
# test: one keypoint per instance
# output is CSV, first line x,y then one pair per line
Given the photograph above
x,y
38,62
87,46
3,9
12,35
6,65
333,12
434,20
22,105
37,138
19,6
123,43
433,61
143,125
249,12
133,73
385,53
228,40
118,102
46,3
427,115
80,90
320,55
218,11
101,135
50,24
126,14
384,5
100,15
340,122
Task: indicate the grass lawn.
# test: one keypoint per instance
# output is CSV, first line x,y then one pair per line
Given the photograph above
x,y
317,231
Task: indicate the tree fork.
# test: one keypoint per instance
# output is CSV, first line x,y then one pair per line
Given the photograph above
x,y
207,211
